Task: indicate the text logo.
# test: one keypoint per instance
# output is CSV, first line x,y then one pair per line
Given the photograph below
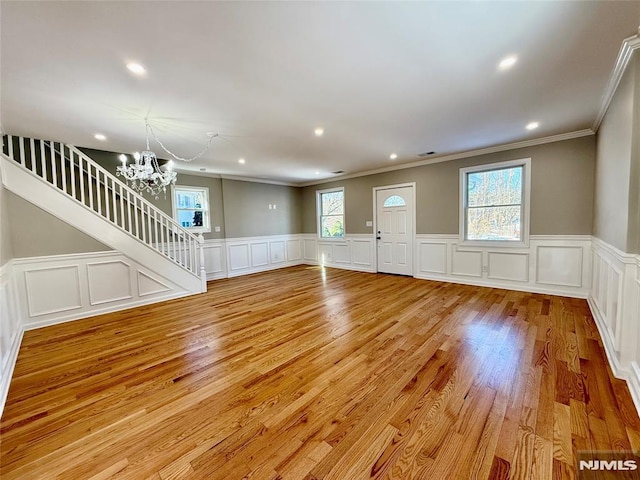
x,y
625,465
608,465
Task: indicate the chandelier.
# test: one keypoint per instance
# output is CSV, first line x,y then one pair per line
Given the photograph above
x,y
145,174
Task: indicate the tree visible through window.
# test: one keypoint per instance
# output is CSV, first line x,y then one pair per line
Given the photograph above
x,y
331,213
494,202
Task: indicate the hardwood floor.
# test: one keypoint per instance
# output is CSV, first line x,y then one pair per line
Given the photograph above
x,y
305,373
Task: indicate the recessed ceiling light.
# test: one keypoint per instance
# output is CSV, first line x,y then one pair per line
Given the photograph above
x,y
136,68
319,131
99,136
532,125
507,62
317,173
393,156
242,161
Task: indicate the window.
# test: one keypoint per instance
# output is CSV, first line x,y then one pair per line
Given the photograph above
x,y
191,208
495,203
331,213
394,201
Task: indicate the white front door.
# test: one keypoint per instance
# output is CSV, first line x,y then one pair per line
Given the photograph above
x,y
394,230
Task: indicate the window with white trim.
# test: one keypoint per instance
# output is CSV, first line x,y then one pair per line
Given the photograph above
x,y
191,208
331,213
494,204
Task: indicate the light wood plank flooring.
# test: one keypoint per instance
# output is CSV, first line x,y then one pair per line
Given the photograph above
x,y
305,373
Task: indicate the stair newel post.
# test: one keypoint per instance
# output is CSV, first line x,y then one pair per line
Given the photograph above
x,y
203,271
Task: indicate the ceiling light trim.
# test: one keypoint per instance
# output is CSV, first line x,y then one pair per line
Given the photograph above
x,y
629,45
456,156
507,63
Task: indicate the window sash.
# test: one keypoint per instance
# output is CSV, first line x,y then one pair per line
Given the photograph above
x,y
328,212
514,203
180,192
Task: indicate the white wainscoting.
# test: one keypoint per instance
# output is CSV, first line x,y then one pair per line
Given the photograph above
x,y
10,329
354,252
614,300
557,265
59,288
257,254
215,259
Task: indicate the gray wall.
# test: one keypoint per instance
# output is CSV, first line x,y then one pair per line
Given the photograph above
x,y
561,200
562,180
246,209
239,208
613,166
35,233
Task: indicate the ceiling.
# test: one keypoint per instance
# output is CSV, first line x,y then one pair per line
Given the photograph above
x,y
379,77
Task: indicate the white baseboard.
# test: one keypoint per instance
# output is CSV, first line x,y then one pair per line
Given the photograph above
x,y
505,286
633,381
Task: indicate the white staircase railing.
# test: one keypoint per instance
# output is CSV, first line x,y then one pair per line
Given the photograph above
x,y
85,181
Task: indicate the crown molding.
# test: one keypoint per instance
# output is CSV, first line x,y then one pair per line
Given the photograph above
x,y
258,180
182,171
456,156
629,45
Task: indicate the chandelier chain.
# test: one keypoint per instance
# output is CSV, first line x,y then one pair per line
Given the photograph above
x,y
182,159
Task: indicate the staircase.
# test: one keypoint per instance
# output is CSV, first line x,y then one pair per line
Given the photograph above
x,y
65,182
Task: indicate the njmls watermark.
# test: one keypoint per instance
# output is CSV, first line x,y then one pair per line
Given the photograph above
x,y
608,465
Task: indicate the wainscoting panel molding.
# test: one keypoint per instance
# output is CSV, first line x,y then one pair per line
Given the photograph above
x,y
434,257
294,250
259,254
466,263
353,252
53,289
215,259
558,265
614,300
105,292
513,267
11,330
248,255
41,291
276,252
67,287
148,285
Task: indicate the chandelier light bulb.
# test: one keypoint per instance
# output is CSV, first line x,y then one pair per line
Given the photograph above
x,y
170,165
136,156
123,158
